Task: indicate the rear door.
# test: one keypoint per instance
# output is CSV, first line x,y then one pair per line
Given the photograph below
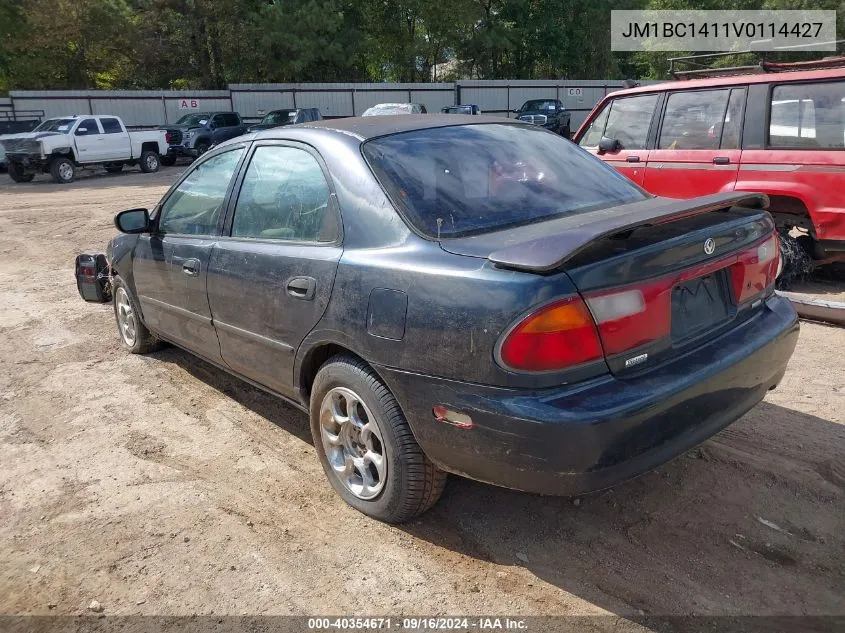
x,y
628,120
170,265
90,142
801,152
698,144
117,145
271,276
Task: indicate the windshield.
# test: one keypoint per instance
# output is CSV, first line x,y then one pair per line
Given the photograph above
x,y
280,117
473,179
193,119
55,125
389,108
539,104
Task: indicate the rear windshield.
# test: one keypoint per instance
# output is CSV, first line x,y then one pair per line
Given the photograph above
x,y
469,179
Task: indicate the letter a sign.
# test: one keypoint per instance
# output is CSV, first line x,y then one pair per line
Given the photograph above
x,y
189,104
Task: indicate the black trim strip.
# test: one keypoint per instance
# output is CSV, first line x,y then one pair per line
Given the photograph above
x,y
174,309
252,336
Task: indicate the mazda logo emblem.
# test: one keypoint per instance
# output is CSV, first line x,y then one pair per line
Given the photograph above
x,y
709,246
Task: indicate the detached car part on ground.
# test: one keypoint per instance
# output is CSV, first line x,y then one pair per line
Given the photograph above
x,y
739,133
548,114
448,293
194,134
64,145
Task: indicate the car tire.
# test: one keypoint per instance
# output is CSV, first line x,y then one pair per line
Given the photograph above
x,y
565,132
17,173
168,160
353,415
796,263
150,161
201,148
133,335
62,170
114,169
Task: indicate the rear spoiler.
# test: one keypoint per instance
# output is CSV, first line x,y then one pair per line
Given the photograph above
x,y
547,253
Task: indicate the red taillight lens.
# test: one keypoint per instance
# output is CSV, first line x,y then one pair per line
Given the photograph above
x,y
557,336
629,318
168,137
755,270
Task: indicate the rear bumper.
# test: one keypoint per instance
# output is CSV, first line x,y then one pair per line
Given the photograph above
x,y
595,434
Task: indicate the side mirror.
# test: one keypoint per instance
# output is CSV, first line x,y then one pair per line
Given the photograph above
x,y
133,221
609,145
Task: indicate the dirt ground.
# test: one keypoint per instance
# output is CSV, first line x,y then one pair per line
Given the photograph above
x,y
160,485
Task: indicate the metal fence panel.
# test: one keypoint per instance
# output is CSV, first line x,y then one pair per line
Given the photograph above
x,y
135,111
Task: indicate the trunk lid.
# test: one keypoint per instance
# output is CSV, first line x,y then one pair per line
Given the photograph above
x,y
658,276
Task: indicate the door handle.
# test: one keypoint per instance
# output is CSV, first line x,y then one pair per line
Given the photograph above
x,y
633,159
191,267
721,160
302,288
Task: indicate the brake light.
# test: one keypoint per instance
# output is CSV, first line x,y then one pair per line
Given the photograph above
x,y
559,335
755,270
168,137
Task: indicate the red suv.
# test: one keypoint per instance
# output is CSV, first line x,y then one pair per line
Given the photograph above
x,y
780,133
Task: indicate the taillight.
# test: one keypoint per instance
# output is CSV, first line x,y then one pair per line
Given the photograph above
x,y
755,270
557,336
168,137
629,318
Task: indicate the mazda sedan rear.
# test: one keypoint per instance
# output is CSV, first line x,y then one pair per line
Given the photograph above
x,y
460,294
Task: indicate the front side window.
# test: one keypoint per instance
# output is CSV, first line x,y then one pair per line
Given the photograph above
x,y
87,128
627,120
694,120
808,116
469,179
218,120
595,130
284,196
231,119
194,208
111,126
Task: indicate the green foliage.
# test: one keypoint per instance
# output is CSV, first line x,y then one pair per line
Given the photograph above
x,y
191,44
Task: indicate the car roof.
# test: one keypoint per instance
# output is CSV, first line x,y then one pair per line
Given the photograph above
x,y
737,80
372,126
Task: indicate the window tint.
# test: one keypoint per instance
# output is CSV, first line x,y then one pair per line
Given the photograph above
x,y
694,120
808,116
469,179
219,120
231,119
195,207
111,126
90,126
595,130
284,196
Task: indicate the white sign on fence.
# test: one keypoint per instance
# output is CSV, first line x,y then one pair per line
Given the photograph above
x,y
189,104
574,92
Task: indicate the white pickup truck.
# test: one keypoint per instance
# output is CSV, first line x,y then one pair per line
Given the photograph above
x,y
61,146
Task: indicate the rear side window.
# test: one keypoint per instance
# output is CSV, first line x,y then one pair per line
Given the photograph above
x,y
470,179
111,126
627,120
694,120
284,196
808,116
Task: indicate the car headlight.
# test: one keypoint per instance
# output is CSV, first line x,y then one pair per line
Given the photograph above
x,y
189,134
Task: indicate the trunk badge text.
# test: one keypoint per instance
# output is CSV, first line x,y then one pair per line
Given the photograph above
x,y
709,246
636,360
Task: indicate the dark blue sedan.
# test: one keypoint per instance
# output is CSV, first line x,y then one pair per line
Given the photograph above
x,y
458,294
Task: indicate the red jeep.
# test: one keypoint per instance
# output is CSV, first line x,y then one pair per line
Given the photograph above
x,y
781,133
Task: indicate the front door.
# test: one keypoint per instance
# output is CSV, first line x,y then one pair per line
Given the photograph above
x,y
90,142
698,147
627,120
271,278
170,265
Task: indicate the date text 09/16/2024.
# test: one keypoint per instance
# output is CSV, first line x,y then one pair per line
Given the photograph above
x,y
418,623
